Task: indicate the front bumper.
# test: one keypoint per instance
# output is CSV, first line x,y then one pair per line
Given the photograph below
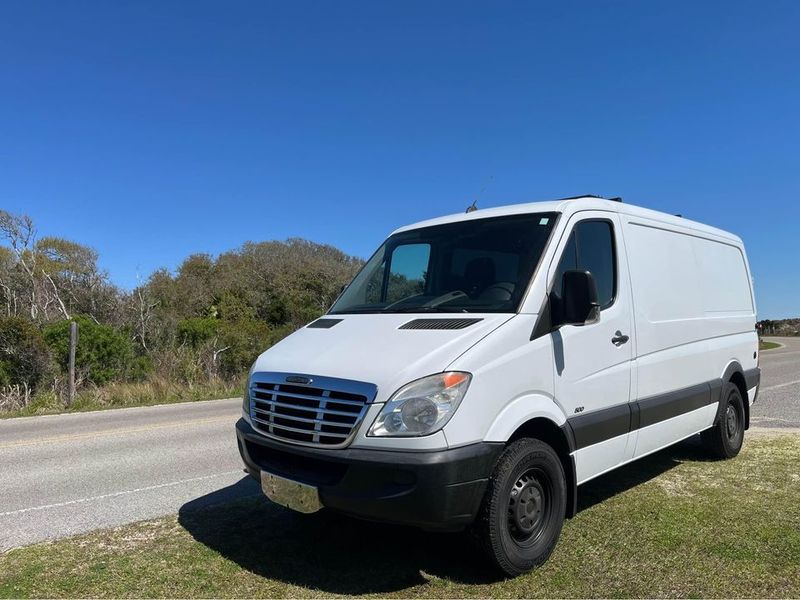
x,y
439,490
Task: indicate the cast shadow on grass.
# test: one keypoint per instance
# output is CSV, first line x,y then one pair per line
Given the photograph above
x,y
326,551
337,554
640,471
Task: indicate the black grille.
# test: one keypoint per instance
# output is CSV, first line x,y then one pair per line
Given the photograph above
x,y
306,414
439,323
323,323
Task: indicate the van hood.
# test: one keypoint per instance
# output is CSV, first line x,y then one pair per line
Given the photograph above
x,y
380,349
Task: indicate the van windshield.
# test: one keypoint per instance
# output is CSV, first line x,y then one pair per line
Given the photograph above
x,y
479,265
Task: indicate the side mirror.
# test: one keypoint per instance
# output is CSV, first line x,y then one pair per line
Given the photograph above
x,y
579,304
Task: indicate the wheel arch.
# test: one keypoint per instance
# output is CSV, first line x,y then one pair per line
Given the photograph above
x,y
734,373
560,439
538,415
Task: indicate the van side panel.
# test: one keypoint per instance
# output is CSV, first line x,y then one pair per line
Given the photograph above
x,y
666,433
726,285
512,382
593,461
694,314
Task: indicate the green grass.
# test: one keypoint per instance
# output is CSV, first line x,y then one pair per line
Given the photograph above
x,y
125,395
672,525
768,345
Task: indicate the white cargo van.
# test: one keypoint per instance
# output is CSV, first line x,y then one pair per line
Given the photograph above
x,y
482,366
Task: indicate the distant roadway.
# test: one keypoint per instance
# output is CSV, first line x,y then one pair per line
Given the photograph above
x,y
778,403
66,474
62,475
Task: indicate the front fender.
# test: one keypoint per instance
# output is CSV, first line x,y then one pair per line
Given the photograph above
x,y
521,410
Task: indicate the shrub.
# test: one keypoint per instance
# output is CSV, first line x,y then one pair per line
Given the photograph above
x,y
24,356
103,353
139,368
195,331
244,340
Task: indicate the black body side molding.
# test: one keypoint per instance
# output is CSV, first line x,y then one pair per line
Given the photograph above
x,y
601,425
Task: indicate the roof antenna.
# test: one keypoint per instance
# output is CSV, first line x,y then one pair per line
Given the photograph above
x,y
474,206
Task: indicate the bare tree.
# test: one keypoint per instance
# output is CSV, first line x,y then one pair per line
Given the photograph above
x,y
19,232
145,306
56,296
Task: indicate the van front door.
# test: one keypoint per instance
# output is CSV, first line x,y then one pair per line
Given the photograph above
x,y
592,362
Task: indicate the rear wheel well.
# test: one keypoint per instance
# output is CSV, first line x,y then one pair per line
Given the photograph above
x,y
737,378
553,435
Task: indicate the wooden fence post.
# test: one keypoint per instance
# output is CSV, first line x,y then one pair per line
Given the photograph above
x,y
73,343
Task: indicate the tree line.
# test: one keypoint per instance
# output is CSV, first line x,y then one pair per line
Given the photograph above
x,y
205,322
780,327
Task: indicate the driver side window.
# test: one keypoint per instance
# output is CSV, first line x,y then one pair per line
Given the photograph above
x,y
591,248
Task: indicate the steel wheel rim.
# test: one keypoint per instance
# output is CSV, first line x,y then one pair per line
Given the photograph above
x,y
733,422
529,506
730,419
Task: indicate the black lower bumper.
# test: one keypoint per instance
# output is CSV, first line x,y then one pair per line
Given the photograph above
x,y
439,490
752,379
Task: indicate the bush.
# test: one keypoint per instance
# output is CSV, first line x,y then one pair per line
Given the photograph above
x,y
224,346
244,341
139,368
195,331
24,356
103,353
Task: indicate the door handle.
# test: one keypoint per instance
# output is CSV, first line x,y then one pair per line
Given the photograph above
x,y
619,339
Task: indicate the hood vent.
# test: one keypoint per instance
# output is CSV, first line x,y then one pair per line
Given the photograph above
x,y
323,323
439,323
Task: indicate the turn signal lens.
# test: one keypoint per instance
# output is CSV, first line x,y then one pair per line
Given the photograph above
x,y
453,378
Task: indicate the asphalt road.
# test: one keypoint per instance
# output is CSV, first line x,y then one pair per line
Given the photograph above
x,y
66,474
778,403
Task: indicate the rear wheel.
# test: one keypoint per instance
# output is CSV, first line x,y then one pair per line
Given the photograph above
x,y
724,439
524,506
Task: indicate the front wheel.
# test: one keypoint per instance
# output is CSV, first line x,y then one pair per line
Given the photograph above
x,y
724,439
524,507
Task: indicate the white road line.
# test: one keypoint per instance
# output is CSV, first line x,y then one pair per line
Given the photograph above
x,y
774,353
761,419
780,385
115,494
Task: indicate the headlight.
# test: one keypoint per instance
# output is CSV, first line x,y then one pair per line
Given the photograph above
x,y
422,406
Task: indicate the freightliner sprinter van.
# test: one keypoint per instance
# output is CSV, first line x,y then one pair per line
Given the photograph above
x,y
482,366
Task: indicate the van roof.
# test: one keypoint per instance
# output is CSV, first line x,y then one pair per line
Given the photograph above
x,y
568,206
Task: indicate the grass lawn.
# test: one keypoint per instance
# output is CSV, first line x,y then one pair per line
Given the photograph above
x,y
671,525
768,345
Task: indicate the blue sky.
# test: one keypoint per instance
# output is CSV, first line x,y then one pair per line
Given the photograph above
x,y
152,130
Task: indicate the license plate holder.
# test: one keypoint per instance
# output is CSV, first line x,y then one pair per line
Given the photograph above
x,y
291,494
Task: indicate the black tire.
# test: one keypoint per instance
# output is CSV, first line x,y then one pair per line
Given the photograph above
x,y
724,439
523,510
